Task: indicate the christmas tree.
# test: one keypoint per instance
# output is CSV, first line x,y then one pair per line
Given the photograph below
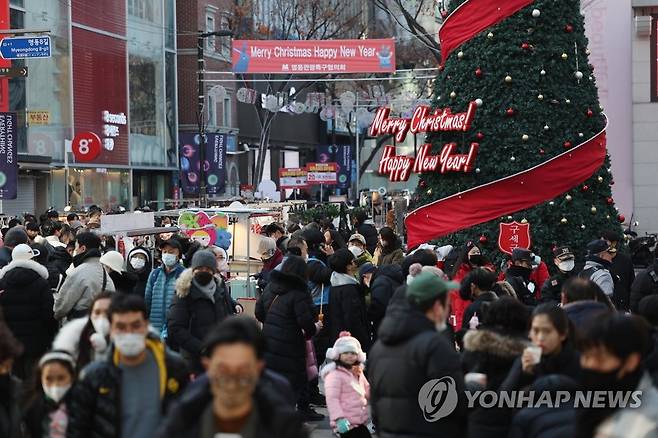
x,y
526,65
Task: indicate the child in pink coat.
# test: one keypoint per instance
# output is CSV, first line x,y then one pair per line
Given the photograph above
x,y
346,389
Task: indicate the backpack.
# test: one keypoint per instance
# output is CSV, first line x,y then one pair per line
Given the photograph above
x,y
319,292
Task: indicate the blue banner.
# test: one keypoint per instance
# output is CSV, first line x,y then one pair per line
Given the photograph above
x,y
215,163
342,155
8,156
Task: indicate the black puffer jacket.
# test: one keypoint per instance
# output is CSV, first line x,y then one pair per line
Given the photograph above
x,y
369,232
581,312
387,279
543,421
651,361
124,282
347,306
566,362
142,274
409,353
96,398
622,269
27,304
61,259
519,278
192,314
285,309
645,284
276,418
5,256
37,414
11,391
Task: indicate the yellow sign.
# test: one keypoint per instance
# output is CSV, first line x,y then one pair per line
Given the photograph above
x,y
38,118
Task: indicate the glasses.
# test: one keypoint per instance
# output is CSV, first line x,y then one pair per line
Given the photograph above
x,y
239,381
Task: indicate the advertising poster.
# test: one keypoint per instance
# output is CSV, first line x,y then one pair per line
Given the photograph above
x,y
340,154
322,173
214,166
293,178
8,156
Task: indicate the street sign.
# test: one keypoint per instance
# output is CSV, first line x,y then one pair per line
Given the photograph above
x,y
25,47
13,72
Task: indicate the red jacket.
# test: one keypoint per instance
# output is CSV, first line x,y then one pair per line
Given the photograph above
x,y
539,277
458,305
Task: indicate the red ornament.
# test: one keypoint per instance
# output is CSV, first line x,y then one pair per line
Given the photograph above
x,y
478,72
479,136
525,46
484,239
568,28
621,218
441,67
584,188
542,151
589,113
609,200
422,184
444,14
567,144
612,183
510,112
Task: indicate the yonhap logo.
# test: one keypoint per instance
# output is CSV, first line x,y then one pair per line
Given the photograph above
x,y
438,398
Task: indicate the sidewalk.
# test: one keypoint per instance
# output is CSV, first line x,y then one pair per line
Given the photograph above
x,y
321,429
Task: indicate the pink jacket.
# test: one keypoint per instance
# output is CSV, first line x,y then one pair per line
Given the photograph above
x,y
347,397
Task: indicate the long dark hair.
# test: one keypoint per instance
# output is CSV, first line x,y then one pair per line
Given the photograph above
x,y
558,318
35,389
462,258
84,345
337,241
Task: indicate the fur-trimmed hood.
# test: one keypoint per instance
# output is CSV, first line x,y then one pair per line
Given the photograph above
x,y
184,283
490,342
25,264
330,366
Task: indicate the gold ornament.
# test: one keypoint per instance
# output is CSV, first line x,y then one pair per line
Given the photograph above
x,y
600,179
551,203
582,227
563,220
453,95
568,198
540,97
429,191
593,210
508,79
490,35
525,137
565,56
543,72
460,55
524,221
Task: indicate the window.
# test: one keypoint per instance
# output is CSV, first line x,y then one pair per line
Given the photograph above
x,y
224,43
212,111
654,59
226,112
143,9
210,27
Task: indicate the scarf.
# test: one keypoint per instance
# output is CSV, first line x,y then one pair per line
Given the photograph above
x,y
81,258
208,290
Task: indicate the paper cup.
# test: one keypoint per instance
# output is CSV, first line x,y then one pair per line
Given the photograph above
x,y
478,378
535,353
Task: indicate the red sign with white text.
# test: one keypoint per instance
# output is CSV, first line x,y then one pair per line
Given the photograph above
x,y
322,173
513,235
86,147
314,56
293,178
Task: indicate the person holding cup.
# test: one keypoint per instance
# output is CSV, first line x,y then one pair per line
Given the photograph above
x,y
551,351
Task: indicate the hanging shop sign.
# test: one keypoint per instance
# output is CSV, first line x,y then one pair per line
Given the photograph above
x,y
314,56
8,156
35,118
322,173
513,235
293,178
86,147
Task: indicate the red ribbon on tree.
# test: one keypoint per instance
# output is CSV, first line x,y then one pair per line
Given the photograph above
x,y
491,201
471,18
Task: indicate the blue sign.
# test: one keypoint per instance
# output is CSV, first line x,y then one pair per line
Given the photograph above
x,y
341,155
25,47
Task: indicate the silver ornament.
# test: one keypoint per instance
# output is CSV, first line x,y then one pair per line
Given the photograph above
x,y
536,13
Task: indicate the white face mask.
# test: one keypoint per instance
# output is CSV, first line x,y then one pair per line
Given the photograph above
x,y
56,393
101,325
130,344
137,263
355,250
222,266
169,260
567,265
441,326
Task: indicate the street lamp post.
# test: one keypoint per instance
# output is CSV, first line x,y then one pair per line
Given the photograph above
x,y
203,197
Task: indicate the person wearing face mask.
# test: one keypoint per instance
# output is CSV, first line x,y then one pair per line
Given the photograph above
x,y
565,261
357,244
161,285
621,269
139,263
235,397
222,262
124,282
412,349
598,264
28,306
612,350
201,301
390,248
87,339
85,281
11,389
48,406
518,275
131,390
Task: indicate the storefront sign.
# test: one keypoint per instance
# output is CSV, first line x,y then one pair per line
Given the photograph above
x,y
313,57
293,178
8,156
35,118
322,173
111,123
423,120
399,167
513,235
86,147
215,163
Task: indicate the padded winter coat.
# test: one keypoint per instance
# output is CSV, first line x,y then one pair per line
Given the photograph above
x,y
387,279
159,293
347,396
347,307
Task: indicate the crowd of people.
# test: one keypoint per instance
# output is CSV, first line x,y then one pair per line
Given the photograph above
x,y
151,342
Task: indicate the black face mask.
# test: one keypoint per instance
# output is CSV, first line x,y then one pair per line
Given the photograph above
x,y
203,278
476,260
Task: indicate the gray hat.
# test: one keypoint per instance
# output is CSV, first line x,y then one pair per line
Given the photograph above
x,y
204,258
15,236
266,248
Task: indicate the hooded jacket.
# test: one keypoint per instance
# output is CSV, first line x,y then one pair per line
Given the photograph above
x,y
347,395
159,293
598,270
391,254
27,305
286,309
69,339
193,314
519,278
96,398
347,307
580,312
409,353
82,285
144,273
646,283
387,279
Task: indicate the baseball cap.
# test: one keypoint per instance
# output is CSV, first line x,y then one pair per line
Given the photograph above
x,y
366,268
266,247
521,254
174,243
563,252
24,252
427,286
358,237
597,246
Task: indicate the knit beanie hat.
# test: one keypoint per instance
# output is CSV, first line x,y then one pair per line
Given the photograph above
x,y
204,258
346,344
15,236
